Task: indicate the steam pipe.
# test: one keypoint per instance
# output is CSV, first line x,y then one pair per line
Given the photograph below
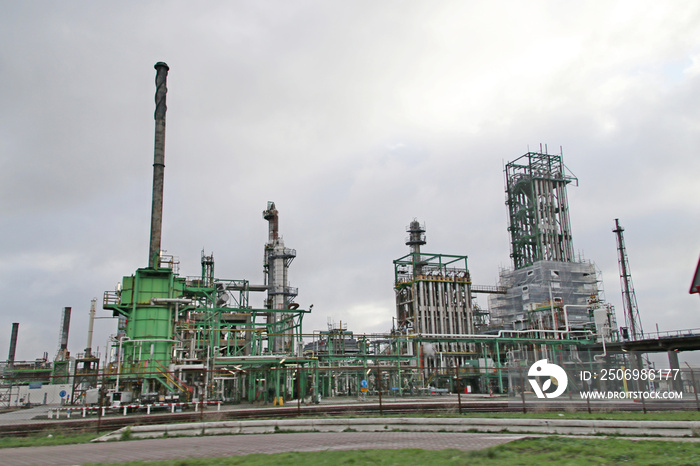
x,y
158,164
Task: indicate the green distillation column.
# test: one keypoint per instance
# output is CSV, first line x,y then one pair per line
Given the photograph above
x,y
149,330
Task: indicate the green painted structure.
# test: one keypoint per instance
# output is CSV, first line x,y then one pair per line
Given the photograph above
x,y
146,351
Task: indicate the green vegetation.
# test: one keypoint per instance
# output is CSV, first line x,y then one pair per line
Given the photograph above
x,y
46,439
548,450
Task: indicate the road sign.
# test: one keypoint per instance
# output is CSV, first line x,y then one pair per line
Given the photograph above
x,y
363,383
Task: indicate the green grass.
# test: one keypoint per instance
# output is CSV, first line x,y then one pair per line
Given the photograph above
x,y
46,439
550,450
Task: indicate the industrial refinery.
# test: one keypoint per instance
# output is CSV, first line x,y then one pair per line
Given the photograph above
x,y
196,338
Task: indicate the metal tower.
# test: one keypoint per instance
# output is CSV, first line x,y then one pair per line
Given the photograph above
x,y
629,300
538,209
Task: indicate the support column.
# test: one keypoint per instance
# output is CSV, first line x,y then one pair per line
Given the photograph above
x,y
675,369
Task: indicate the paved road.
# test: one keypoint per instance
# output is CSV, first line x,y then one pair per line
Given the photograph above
x,y
218,446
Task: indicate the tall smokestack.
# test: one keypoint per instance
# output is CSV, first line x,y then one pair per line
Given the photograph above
x,y
63,336
158,164
64,329
91,323
13,344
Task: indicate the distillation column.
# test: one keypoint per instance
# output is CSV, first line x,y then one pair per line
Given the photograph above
x,y
279,294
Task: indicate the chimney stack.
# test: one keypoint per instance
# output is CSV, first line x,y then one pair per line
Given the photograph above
x,y
13,344
158,165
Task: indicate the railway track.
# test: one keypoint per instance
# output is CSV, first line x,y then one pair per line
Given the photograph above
x,y
113,422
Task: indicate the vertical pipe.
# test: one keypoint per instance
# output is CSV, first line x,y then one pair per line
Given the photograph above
x,y
158,164
379,390
458,387
522,388
13,344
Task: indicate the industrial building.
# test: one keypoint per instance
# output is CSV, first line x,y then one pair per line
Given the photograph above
x,y
198,337
433,297
545,275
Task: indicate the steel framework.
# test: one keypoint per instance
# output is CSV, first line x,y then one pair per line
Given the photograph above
x,y
538,209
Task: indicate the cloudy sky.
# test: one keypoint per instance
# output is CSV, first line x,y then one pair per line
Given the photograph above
x,y
354,117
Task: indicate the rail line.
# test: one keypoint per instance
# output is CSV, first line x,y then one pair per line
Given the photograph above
x,y
114,422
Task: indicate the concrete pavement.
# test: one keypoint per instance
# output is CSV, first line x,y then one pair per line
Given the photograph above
x,y
230,445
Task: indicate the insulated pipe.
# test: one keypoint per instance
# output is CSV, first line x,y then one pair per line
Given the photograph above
x,y
158,164
249,287
504,333
170,301
13,344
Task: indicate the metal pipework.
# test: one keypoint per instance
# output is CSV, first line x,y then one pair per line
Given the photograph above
x,y
158,164
13,344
